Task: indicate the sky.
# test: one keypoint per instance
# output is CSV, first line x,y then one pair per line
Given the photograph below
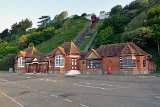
x,y
12,11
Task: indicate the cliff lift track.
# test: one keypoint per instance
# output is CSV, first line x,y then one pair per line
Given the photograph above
x,y
81,36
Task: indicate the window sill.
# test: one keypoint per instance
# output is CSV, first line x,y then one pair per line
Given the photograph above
x,y
58,66
93,68
20,66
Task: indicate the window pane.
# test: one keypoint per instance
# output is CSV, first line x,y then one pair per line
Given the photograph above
x,y
59,61
93,64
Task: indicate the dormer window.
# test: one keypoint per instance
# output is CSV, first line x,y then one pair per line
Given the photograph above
x,y
59,61
20,62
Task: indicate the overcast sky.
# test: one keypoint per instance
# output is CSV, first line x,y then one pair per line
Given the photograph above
x,y
12,11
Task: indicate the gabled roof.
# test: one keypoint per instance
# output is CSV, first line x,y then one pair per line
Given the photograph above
x,y
60,49
29,52
120,49
70,48
92,54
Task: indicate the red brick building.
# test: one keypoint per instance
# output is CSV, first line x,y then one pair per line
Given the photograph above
x,y
31,60
118,58
111,58
64,58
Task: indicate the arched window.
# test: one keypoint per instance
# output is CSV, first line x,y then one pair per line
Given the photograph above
x,y
20,62
59,61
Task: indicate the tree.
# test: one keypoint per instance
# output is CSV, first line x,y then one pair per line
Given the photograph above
x,y
83,15
21,27
141,36
25,24
44,21
142,1
105,36
137,22
134,5
116,10
118,23
153,19
153,2
14,28
5,33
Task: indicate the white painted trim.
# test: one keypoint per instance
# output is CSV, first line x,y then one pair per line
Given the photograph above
x,y
73,56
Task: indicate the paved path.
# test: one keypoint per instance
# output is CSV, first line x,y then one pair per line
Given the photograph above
x,y
81,91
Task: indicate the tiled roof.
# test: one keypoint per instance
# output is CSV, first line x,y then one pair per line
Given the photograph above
x,y
29,52
62,50
120,49
70,48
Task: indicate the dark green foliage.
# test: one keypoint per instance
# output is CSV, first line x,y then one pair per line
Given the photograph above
x,y
141,36
104,36
153,2
117,22
153,20
21,27
116,10
83,15
134,5
76,17
7,62
138,22
44,21
36,37
5,33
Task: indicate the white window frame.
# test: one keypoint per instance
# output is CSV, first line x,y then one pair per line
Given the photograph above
x,y
91,64
128,63
59,61
20,62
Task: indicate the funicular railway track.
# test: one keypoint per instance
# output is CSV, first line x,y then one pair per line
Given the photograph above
x,y
81,36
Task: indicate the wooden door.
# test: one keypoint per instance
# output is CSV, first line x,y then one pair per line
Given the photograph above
x,y
74,64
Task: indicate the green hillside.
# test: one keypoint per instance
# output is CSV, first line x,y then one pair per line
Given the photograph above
x,y
137,22
66,33
45,38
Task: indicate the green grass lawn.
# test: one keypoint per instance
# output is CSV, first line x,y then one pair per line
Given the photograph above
x,y
64,34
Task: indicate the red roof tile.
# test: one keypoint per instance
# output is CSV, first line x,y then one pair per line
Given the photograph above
x,y
119,49
29,52
70,48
